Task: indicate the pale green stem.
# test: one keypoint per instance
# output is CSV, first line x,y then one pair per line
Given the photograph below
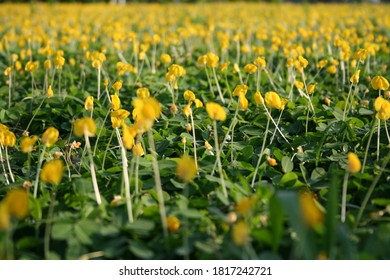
x,y
210,83
218,154
2,163
226,136
273,121
125,177
36,112
194,142
260,154
137,190
371,189
157,179
280,117
9,89
105,152
46,242
93,173
344,197
346,102
9,165
38,171
98,80
378,140
368,146
387,132
218,87
100,132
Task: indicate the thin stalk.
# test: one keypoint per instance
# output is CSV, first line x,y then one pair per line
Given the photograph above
x,y
344,197
98,80
378,140
225,138
9,89
387,132
218,154
157,179
346,102
194,142
368,146
36,112
100,132
125,177
9,165
280,117
218,87
273,121
210,83
105,152
371,189
46,242
2,163
93,173
260,154
38,171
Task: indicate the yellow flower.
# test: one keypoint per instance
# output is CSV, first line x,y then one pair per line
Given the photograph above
x,y
224,66
379,82
355,77
88,104
52,172
258,98
49,92
202,60
322,63
16,201
59,61
260,62
165,58
272,100
212,60
117,85
215,111
382,106
115,102
173,223
137,150
242,102
27,143
186,169
118,117
8,71
187,110
129,133
143,92
303,61
4,217
7,138
361,54
240,90
271,161
250,68
299,84
244,206
189,95
198,103
50,136
240,233
146,109
84,126
311,88
331,69
311,213
31,66
176,70
354,164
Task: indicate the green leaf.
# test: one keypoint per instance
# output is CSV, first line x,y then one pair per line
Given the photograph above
x,y
276,218
140,250
287,164
62,231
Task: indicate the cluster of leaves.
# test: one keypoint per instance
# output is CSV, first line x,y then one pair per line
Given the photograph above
x,y
292,209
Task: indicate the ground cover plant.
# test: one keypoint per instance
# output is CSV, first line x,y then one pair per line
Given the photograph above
x,y
194,131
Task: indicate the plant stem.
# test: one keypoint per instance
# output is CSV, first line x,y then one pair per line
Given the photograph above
x,y
36,111
346,102
46,244
100,132
93,173
9,165
368,145
38,171
9,89
2,163
125,177
218,154
371,189
260,154
344,197
194,142
98,80
157,179
218,87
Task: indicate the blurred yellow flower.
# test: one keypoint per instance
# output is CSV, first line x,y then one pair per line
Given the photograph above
x,y
311,213
143,92
16,201
272,100
242,102
27,143
84,126
379,82
382,106
129,133
240,233
118,117
117,85
198,103
88,104
173,223
212,60
137,150
50,136
186,169
354,164
115,102
165,58
250,68
215,111
52,172
189,95
240,90
355,77
258,98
